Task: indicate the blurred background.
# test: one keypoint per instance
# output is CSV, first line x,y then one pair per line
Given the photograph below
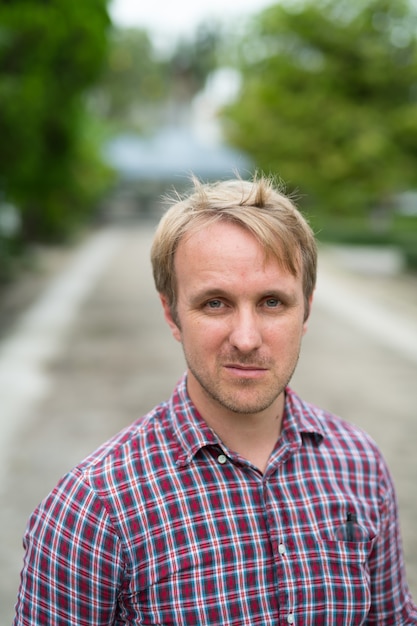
x,y
112,97
106,107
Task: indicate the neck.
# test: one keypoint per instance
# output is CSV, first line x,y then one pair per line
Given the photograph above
x,y
253,436
253,439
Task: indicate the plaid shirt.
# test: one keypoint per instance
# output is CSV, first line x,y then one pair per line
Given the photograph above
x,y
164,525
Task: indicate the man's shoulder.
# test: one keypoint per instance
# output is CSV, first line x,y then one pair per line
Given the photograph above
x,y
340,446
137,446
118,475
334,430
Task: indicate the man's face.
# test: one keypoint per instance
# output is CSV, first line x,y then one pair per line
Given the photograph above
x,y
240,320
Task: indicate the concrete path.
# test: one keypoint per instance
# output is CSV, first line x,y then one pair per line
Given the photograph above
x,y
93,353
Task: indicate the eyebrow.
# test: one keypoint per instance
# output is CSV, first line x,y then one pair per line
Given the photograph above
x,y
207,294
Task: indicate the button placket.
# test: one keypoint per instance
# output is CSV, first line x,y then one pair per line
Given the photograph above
x,y
283,545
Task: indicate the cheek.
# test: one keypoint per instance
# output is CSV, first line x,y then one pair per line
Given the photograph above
x,y
204,335
288,335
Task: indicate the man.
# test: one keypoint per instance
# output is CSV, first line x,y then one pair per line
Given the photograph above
x,y
235,502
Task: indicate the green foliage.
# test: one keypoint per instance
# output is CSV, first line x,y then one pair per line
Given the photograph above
x,y
328,100
50,55
134,82
142,87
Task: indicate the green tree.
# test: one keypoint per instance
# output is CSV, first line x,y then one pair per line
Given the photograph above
x,y
134,84
328,100
50,55
143,87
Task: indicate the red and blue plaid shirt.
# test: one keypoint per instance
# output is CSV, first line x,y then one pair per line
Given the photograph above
x,y
164,525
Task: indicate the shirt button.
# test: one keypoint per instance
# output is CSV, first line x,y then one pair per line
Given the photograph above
x,y
281,548
290,618
222,459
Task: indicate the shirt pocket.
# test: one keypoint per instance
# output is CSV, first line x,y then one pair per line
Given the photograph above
x,y
340,578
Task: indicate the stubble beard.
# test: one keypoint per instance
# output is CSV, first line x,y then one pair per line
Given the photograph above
x,y
230,400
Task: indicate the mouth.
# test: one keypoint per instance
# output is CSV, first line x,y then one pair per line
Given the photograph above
x,y
245,371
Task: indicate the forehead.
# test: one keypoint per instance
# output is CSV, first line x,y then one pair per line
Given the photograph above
x,y
226,251
269,241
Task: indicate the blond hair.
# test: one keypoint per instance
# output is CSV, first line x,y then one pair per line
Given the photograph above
x,y
257,206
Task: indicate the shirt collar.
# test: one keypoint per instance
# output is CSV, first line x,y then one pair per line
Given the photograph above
x,y
193,433
302,416
190,429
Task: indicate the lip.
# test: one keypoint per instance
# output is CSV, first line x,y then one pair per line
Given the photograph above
x,y
245,371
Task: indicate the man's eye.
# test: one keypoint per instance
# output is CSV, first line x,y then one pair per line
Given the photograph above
x,y
272,302
214,304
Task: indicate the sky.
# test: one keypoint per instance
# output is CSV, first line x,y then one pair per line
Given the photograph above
x,y
173,18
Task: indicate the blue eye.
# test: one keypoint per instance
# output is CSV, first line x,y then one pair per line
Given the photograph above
x,y
214,304
272,302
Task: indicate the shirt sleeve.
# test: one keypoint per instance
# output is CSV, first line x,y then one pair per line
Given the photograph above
x,y
73,566
391,599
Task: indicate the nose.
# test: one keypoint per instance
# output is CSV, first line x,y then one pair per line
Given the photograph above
x,y
245,334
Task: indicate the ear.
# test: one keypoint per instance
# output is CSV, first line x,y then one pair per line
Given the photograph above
x,y
305,325
169,319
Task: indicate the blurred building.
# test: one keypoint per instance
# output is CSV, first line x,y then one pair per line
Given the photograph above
x,y
148,167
